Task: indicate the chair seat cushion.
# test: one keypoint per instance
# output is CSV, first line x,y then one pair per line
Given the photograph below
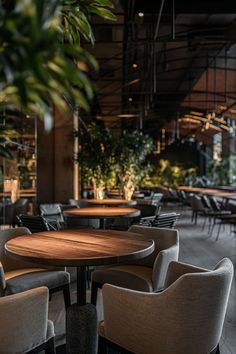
x,y
34,279
126,276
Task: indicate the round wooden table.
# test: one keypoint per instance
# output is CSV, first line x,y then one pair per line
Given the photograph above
x,y
102,213
79,248
110,202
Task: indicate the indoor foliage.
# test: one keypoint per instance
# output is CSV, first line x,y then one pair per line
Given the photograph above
x,y
168,175
95,156
40,49
131,152
106,158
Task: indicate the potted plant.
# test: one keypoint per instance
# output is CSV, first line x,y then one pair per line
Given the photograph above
x,y
95,156
131,151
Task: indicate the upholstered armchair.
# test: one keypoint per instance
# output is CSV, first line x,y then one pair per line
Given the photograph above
x,y
25,327
146,274
17,275
187,317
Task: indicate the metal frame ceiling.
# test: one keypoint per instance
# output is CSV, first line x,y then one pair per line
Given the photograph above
x,y
179,56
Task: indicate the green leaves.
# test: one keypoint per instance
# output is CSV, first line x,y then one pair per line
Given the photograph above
x,y
104,156
75,18
39,55
39,52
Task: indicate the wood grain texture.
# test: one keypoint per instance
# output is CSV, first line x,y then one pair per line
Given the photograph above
x,y
210,191
79,248
109,202
103,212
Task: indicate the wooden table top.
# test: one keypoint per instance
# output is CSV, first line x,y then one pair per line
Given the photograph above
x,y
103,212
110,201
79,247
210,191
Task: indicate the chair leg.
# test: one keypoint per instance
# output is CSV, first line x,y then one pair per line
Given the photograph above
x,y
66,295
50,349
94,293
102,347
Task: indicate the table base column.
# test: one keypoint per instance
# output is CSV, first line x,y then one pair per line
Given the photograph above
x,y
81,285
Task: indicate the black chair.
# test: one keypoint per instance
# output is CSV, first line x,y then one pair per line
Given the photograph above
x,y
20,207
167,220
35,223
53,214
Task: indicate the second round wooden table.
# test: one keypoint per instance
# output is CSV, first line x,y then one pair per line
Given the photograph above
x,y
102,213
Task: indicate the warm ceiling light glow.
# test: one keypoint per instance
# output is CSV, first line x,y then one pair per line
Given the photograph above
x,y
140,14
130,99
135,65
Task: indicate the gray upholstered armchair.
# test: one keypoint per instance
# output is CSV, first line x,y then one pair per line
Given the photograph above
x,y
25,327
146,274
187,317
17,276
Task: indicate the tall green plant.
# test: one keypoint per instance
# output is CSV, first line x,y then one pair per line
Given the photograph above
x,y
131,151
96,156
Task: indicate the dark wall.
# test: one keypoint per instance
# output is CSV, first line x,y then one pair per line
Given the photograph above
x,y
55,161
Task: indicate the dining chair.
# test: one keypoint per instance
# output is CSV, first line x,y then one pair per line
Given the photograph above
x,y
18,275
166,220
25,327
187,317
53,214
35,223
146,274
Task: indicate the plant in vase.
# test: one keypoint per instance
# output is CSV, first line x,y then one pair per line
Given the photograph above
x,y
95,156
131,151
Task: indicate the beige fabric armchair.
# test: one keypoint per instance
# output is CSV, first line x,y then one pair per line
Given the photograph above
x,y
187,317
146,274
25,327
17,275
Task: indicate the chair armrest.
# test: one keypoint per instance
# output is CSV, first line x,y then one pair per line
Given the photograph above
x,y
176,269
161,264
25,319
2,280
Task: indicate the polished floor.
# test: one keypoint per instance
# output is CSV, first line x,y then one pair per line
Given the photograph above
x,y
196,247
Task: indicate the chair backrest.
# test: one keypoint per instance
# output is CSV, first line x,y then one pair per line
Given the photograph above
x,y
197,303
33,223
187,317
214,203
196,203
21,202
166,250
9,263
79,203
25,318
146,210
206,201
167,220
